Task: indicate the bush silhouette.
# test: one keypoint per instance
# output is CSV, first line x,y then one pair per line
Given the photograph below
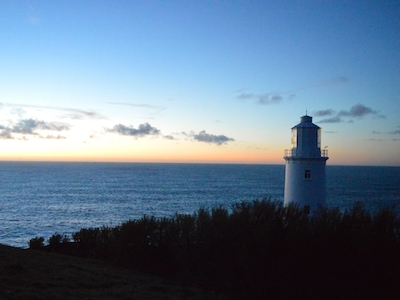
x,y
36,243
260,249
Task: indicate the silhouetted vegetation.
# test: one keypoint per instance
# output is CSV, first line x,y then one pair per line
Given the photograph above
x,y
36,243
257,249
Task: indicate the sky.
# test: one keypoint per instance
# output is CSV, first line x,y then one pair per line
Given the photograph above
x,y
198,81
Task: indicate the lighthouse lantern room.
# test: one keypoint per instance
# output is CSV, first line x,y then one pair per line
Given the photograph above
x,y
305,166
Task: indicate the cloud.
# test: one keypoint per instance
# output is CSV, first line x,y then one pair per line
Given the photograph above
x,y
74,113
135,105
331,120
29,127
276,98
323,113
395,132
143,130
356,111
265,99
168,137
246,96
376,132
155,109
52,137
18,111
79,114
270,99
202,136
5,134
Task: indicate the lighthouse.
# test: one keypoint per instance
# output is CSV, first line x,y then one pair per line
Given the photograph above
x,y
305,166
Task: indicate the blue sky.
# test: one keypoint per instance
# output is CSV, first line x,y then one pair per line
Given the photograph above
x,y
198,81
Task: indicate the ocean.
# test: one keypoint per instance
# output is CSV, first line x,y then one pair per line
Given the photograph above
x,y
43,198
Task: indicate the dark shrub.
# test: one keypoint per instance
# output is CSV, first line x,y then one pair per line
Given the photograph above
x,y
36,243
87,241
55,241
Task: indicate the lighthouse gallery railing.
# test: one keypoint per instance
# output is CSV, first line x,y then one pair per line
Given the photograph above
x,y
298,153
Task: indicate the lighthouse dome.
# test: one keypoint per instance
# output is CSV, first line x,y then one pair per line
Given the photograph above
x,y
306,122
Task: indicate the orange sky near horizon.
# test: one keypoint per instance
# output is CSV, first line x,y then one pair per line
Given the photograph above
x,y
156,151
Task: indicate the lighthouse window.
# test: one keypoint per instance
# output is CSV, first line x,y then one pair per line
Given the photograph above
x,y
307,174
294,137
319,138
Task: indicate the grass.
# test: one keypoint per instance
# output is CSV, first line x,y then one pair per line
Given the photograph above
x,y
30,274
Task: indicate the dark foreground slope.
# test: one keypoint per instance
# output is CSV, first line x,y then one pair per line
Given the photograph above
x,y
28,274
256,250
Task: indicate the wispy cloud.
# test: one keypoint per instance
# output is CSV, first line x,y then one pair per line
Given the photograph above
x,y
20,112
331,120
395,132
153,108
265,99
143,130
140,105
277,97
73,113
356,111
53,137
79,114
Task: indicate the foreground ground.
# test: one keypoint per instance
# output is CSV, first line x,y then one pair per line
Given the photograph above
x,y
28,274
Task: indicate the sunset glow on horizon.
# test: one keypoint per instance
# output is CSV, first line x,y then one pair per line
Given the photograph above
x,y
199,81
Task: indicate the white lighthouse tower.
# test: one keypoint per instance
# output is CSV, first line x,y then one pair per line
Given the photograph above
x,y
305,166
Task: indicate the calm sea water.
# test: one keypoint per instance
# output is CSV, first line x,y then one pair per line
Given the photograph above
x,y
39,199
